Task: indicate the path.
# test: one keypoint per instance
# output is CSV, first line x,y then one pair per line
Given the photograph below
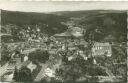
x,y
41,74
3,69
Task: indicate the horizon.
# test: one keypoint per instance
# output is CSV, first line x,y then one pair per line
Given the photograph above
x,y
57,6
65,11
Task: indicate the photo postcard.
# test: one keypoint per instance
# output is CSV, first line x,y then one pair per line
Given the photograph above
x,y
63,41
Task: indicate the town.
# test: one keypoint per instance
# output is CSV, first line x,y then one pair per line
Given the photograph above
x,y
72,55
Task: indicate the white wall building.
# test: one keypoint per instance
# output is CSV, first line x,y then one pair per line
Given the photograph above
x,y
102,49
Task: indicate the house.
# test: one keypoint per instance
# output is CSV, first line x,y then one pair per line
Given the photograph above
x,y
62,37
101,49
29,65
77,32
14,61
53,51
16,57
49,72
83,42
25,58
4,37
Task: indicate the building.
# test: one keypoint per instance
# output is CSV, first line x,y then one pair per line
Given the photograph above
x,y
29,65
77,32
101,49
49,72
3,35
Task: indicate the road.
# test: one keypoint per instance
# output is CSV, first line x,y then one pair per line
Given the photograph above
x,y
3,69
41,74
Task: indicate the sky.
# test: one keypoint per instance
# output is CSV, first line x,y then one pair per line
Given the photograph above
x,y
52,6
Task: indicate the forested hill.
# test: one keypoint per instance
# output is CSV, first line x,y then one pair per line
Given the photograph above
x,y
53,22
109,24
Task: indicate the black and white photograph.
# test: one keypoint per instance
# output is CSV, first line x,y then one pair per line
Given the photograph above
x,y
63,41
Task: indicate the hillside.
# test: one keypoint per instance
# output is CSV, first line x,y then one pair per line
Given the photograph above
x,y
109,24
31,18
103,23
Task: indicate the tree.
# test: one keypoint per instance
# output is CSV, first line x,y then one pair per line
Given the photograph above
x,y
24,74
39,56
5,54
71,71
15,74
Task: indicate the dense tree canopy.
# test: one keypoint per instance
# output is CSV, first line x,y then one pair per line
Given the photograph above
x,y
23,75
39,56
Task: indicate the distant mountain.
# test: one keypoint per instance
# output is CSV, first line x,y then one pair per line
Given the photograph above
x,y
85,12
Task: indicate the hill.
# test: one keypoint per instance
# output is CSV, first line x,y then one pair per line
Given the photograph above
x,y
103,23
31,18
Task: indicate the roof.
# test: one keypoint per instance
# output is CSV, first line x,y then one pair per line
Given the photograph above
x,y
74,32
83,42
11,67
77,29
65,34
26,63
109,38
4,34
77,32
29,50
101,44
